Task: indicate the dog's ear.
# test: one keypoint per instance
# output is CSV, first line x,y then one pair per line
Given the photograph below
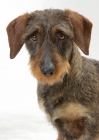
x,y
15,31
82,30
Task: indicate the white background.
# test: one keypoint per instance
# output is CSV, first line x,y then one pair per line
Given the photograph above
x,y
20,116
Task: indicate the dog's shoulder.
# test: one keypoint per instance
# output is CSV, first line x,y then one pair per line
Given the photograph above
x,y
96,63
90,67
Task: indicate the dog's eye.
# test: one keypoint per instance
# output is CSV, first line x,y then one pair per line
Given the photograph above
x,y
61,37
34,37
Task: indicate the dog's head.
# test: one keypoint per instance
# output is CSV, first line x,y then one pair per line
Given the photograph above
x,y
49,36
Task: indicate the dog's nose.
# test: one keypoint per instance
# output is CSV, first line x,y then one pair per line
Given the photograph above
x,y
48,70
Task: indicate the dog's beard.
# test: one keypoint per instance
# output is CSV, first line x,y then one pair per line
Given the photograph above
x,y
62,68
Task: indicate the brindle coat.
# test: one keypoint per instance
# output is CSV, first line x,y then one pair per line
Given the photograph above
x,y
68,83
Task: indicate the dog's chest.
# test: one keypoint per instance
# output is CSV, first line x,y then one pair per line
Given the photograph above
x,y
62,107
61,98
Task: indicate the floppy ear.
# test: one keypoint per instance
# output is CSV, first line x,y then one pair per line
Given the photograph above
x,y
82,30
15,31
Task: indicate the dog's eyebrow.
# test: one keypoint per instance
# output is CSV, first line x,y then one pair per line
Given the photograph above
x,y
63,28
30,31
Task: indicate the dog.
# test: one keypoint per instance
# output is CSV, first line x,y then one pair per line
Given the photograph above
x,y
68,83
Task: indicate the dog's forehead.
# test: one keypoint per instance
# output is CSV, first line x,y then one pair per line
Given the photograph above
x,y
50,17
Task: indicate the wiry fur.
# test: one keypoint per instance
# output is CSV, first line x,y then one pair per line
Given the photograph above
x,y
70,96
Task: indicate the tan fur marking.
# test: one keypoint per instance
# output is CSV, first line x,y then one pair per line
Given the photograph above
x,y
97,138
41,105
61,69
71,111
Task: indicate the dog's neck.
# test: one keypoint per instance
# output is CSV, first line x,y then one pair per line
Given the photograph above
x,y
75,62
